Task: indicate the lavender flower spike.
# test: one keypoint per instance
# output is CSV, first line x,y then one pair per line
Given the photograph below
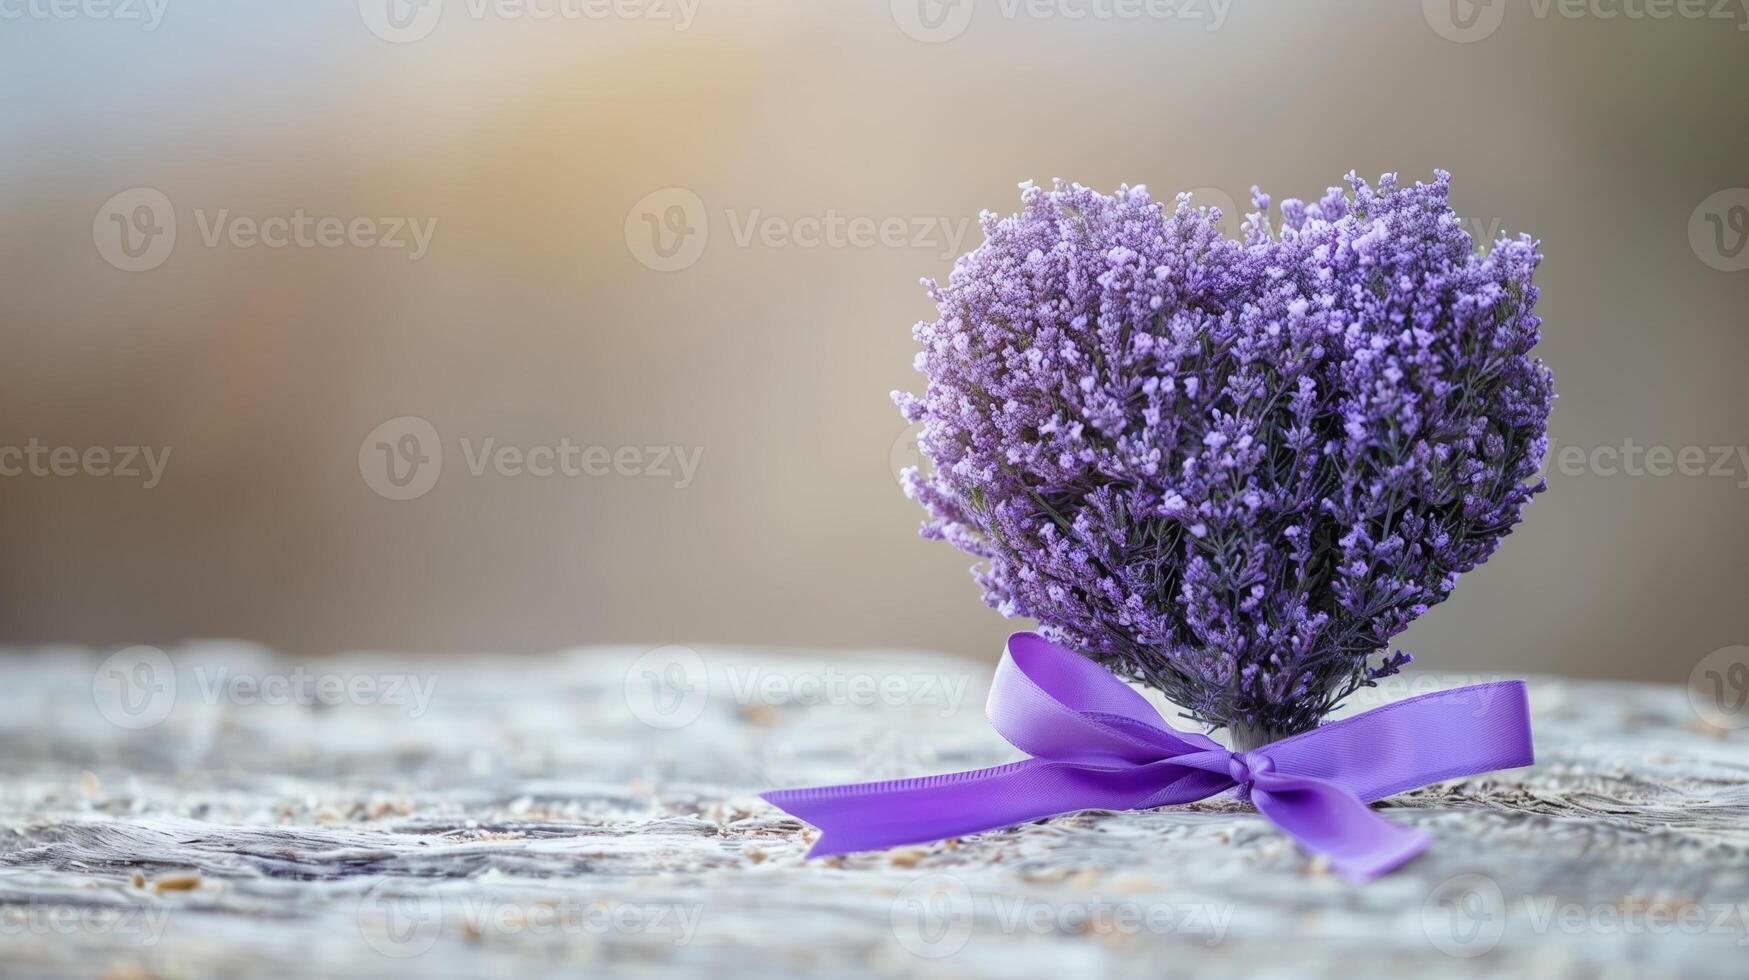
x,y
1231,470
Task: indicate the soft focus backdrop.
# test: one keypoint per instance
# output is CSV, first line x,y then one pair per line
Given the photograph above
x,y
673,246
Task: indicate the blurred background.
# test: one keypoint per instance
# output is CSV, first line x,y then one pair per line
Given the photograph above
x,y
502,326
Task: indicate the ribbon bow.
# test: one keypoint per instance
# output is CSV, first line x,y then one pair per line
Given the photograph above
x,y
1096,743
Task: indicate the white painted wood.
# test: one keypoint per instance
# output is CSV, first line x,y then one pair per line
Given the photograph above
x,y
526,822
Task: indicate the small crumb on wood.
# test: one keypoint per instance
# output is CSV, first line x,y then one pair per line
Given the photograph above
x,y
139,879
906,857
89,782
1085,879
177,883
763,715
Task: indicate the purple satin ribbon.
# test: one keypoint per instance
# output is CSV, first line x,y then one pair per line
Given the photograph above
x,y
1096,744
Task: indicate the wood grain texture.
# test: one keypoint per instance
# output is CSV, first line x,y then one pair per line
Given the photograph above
x,y
525,818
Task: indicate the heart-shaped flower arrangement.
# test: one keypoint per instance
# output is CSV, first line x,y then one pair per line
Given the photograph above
x,y
1231,470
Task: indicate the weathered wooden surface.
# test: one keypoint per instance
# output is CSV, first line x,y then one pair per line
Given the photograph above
x,y
529,820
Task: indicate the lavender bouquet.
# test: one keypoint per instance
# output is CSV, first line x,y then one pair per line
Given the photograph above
x,y
1231,470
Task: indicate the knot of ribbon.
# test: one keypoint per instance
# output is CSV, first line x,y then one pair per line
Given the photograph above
x,y
1095,743
1240,767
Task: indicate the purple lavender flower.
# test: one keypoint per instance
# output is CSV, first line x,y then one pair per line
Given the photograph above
x,y
1231,470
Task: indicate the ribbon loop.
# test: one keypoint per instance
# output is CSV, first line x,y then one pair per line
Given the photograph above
x,y
1052,704
1096,743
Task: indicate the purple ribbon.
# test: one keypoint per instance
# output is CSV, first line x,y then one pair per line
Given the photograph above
x,y
1097,744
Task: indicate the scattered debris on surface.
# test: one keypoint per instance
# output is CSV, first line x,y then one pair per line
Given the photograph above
x,y
177,883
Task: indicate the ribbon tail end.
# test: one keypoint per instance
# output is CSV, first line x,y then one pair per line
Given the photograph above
x,y
1386,855
825,846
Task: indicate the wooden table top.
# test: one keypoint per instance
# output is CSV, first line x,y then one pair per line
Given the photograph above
x,y
223,811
